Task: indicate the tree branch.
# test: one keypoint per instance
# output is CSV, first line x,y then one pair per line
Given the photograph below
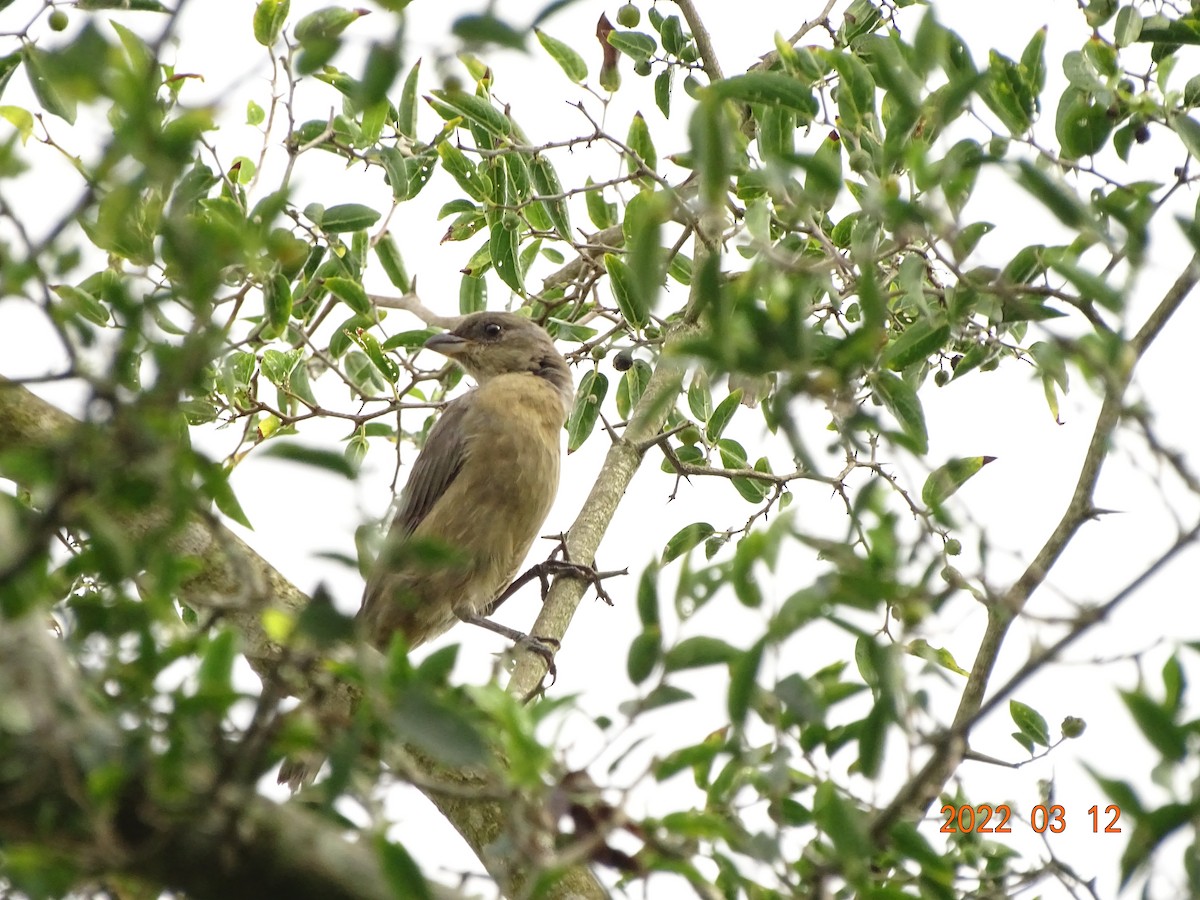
x,y
920,791
228,568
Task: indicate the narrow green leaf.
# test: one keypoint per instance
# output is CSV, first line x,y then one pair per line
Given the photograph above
x,y
685,539
349,292
722,415
640,142
647,597
743,682
916,343
644,653
568,60
308,456
899,398
347,217
464,171
81,302
593,388
477,110
392,263
402,871
406,111
634,44
472,294
277,303
625,292
632,386
52,96
771,89
698,652
949,477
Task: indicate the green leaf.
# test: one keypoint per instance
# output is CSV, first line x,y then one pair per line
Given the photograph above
x,y
568,60
722,415
214,676
406,111
1008,94
375,353
685,539
326,24
82,303
593,388
640,142
50,94
632,386
644,653
1030,722
216,485
346,217
349,292
698,652
856,93
504,244
309,456
477,110
600,211
634,44
1157,725
901,400
392,263
647,597
269,17
625,292
743,682
545,180
1128,27
770,89
1188,130
1081,124
916,343
1063,202
662,91
277,304
464,171
402,871
472,294
949,477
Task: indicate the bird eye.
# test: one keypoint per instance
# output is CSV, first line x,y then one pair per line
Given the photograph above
x,y
492,330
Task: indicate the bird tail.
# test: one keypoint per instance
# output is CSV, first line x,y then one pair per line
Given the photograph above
x,y
297,771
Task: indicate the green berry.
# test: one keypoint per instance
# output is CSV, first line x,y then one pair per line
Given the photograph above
x,y
628,16
58,20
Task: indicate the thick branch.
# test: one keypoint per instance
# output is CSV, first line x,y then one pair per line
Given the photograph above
x,y
228,844
227,568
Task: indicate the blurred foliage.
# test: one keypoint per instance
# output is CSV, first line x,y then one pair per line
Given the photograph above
x,y
819,225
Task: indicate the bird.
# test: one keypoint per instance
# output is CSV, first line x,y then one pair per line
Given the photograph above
x,y
482,485
479,490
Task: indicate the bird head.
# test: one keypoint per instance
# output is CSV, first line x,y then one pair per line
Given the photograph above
x,y
489,344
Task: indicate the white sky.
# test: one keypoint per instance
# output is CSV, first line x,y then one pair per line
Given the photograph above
x,y
299,513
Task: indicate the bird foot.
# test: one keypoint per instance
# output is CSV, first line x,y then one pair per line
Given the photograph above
x,y
545,647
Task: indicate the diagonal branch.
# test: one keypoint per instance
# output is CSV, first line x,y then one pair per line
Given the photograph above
x,y
921,790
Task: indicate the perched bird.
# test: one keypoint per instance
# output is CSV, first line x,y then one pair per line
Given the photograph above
x,y
480,489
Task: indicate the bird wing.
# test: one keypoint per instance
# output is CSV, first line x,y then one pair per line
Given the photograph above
x,y
437,465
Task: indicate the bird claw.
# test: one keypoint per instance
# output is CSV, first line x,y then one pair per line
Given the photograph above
x,y
545,647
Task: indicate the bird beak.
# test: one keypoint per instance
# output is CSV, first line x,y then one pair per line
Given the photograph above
x,y
447,344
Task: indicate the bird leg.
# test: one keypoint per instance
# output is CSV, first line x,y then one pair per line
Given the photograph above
x,y
544,647
543,570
